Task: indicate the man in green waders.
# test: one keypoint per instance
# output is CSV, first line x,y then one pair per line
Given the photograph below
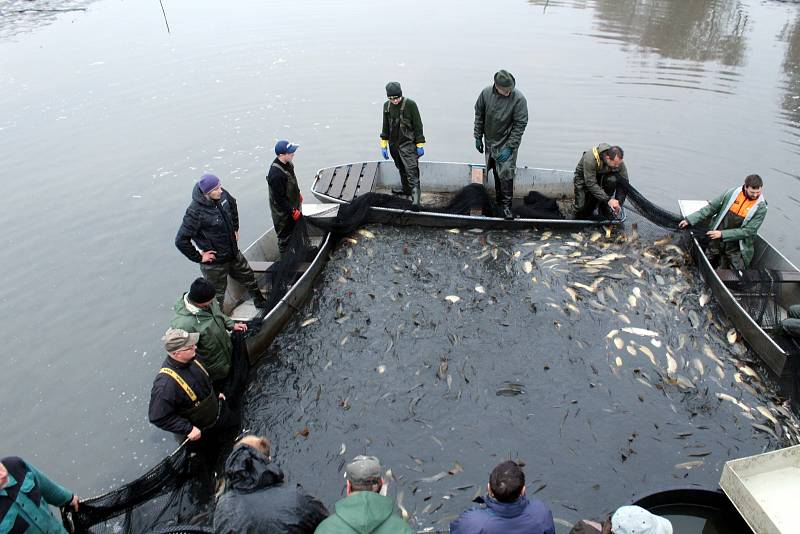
x,y
402,137
285,200
600,182
501,115
183,400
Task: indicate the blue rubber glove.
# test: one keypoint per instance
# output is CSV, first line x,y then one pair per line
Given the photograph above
x,y
385,153
504,154
479,144
420,151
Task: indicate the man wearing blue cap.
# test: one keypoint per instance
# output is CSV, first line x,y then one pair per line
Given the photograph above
x,y
285,200
212,223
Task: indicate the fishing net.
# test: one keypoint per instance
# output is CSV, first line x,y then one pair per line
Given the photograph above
x,y
161,499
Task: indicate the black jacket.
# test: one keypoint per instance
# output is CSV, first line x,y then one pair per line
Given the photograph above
x,y
211,225
167,398
257,501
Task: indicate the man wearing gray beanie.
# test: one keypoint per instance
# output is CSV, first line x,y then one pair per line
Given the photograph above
x,y
501,115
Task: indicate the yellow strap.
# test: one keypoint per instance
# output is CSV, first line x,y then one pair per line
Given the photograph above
x,y
181,382
420,145
596,156
384,143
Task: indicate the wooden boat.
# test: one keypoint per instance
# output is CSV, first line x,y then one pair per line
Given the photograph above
x,y
735,297
440,182
764,489
262,255
695,511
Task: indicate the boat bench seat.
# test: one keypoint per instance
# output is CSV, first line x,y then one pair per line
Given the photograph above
x,y
266,266
731,276
347,181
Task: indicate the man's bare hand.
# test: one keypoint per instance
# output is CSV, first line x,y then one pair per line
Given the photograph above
x,y
208,256
614,205
240,327
195,434
714,234
683,224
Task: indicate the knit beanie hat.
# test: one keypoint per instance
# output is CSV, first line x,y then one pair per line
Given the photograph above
x,y
201,291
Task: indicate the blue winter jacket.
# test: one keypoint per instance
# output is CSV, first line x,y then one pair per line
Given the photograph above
x,y
25,498
519,517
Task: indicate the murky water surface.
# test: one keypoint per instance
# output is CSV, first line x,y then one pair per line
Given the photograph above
x,y
106,120
590,358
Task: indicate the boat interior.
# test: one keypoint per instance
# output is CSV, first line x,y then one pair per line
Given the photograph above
x,y
440,181
263,256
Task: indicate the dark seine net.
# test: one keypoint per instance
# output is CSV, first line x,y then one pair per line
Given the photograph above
x,y
161,500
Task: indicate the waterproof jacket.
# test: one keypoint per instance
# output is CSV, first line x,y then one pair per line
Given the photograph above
x,y
746,233
591,171
25,500
402,122
364,512
214,348
284,193
212,225
168,400
501,119
522,516
257,501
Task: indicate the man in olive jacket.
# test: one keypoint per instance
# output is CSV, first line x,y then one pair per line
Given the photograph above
x,y
402,136
364,509
198,311
501,115
735,216
600,181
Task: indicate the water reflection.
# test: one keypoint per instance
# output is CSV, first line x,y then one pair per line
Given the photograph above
x,y
700,30
790,103
18,16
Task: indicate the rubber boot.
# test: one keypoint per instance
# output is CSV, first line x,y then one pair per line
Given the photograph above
x,y
415,194
404,189
508,195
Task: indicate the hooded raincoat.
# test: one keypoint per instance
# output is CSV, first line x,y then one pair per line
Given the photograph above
x,y
256,500
214,349
364,512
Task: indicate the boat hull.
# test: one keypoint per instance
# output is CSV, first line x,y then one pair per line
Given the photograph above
x,y
442,180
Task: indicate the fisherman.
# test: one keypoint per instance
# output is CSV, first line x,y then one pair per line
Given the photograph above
x,y
26,495
285,200
212,223
791,325
501,115
735,217
402,137
256,499
507,510
183,399
601,182
364,509
198,311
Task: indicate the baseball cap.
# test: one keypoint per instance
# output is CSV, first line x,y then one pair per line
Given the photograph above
x,y
637,520
364,470
175,338
285,147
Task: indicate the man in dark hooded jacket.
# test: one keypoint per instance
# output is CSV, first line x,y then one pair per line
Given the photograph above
x,y
256,500
212,222
501,115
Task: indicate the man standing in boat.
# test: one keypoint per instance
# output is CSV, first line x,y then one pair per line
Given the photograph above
x,y
183,399
285,200
212,223
735,216
402,137
501,115
600,182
